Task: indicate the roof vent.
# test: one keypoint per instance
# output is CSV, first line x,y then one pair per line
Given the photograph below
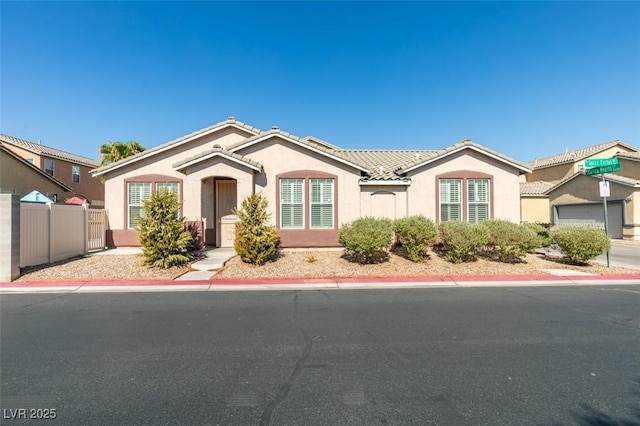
x,y
381,169
231,118
417,157
275,128
217,146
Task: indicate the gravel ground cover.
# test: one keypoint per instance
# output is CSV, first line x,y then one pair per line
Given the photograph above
x,y
303,264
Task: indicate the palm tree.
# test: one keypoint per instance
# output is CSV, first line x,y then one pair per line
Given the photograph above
x,y
111,152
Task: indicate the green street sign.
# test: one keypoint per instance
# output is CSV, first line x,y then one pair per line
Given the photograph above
x,y
599,162
603,169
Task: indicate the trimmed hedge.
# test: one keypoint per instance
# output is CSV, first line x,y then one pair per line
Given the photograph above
x,y
544,235
580,244
367,240
510,241
415,234
461,240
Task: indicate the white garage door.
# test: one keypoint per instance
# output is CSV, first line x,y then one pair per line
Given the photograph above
x,y
592,215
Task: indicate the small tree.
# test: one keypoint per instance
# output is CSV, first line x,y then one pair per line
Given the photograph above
x,y
162,232
255,242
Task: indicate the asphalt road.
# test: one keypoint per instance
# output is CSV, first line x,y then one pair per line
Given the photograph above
x,y
567,355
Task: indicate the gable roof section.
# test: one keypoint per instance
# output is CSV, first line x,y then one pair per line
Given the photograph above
x,y
534,189
34,168
217,151
47,151
229,122
576,155
460,146
311,145
622,180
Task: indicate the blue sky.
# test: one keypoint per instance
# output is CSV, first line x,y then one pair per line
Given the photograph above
x,y
528,79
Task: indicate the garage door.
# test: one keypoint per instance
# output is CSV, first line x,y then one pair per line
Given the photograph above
x,y
592,215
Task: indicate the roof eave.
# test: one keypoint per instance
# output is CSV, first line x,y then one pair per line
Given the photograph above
x,y
182,166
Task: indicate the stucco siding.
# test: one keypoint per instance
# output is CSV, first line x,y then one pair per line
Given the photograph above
x,y
535,209
19,178
388,201
422,196
279,156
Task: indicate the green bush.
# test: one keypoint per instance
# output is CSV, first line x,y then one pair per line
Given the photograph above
x,y
415,234
255,242
580,244
510,241
544,235
367,240
461,240
163,234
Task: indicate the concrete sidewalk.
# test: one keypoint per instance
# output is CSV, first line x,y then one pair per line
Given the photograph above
x,y
120,286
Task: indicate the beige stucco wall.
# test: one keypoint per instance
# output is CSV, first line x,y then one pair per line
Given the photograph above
x,y
506,187
535,209
162,163
17,176
280,156
392,202
629,168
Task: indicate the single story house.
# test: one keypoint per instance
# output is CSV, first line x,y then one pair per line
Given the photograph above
x,y
311,186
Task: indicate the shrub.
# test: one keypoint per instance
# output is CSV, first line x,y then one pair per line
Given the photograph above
x,y
544,235
415,233
461,240
580,244
367,240
255,242
509,240
163,234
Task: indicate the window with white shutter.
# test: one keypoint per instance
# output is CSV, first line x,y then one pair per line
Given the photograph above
x,y
321,203
478,200
291,203
450,199
137,193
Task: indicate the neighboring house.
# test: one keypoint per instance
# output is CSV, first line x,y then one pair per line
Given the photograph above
x,y
18,176
312,187
70,169
575,199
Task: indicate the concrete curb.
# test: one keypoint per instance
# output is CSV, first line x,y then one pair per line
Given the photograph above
x,y
351,283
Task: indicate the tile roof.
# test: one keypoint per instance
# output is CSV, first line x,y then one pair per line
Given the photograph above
x,y
231,121
466,143
47,151
383,164
629,155
575,155
217,150
532,189
28,164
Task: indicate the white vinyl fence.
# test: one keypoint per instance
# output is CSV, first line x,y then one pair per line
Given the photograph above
x,y
52,232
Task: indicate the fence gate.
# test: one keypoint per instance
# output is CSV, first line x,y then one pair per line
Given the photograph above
x,y
96,229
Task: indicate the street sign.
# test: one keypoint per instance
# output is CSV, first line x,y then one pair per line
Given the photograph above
x,y
603,169
599,162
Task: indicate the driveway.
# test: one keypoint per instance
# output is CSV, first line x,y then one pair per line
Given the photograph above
x,y
622,254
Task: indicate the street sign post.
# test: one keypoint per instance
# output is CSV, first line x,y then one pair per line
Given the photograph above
x,y
600,166
602,169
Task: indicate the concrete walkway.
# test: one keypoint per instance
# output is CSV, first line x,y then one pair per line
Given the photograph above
x,y
204,269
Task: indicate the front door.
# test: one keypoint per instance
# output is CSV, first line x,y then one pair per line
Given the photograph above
x,y
226,201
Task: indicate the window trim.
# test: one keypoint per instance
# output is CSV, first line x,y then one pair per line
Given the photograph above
x,y
73,174
302,203
153,180
53,167
465,175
